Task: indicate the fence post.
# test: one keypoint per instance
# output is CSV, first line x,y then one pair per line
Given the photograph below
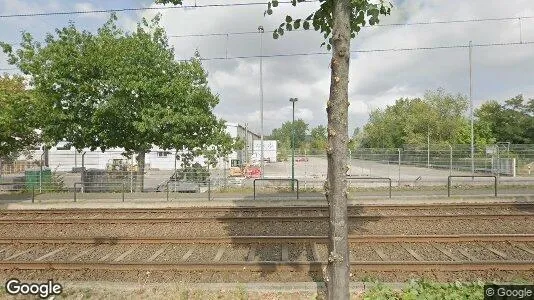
x,y
122,191
389,188
209,189
297,189
75,191
33,193
167,188
495,179
41,173
254,188
449,186
398,183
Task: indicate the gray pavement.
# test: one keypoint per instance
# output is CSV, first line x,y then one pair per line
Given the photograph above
x,y
245,200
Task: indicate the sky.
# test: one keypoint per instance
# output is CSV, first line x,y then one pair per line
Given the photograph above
x,y
377,78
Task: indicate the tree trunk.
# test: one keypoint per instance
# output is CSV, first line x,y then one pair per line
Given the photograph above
x,y
141,170
336,185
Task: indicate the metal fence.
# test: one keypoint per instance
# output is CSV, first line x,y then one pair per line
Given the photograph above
x,y
410,166
500,159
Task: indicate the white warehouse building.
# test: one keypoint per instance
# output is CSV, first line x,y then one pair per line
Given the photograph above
x,y
61,158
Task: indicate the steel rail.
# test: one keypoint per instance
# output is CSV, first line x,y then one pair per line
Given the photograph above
x,y
223,219
275,239
429,206
262,266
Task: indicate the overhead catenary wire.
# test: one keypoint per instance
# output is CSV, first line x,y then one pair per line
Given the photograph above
x,y
422,23
129,9
379,50
457,46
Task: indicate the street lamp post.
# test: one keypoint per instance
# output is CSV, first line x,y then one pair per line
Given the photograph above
x,y
262,163
293,100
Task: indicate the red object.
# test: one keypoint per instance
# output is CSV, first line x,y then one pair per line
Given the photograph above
x,y
253,172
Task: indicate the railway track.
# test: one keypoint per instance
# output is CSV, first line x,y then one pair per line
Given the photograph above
x,y
444,238
227,219
440,238
446,253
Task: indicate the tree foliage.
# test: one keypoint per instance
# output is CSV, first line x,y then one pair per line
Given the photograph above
x,y
283,134
511,122
117,89
362,12
319,138
443,115
409,121
19,116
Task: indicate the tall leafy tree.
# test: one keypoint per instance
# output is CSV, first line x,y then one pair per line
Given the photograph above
x,y
117,89
338,21
19,116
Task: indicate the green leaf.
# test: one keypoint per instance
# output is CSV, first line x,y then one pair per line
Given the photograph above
x,y
275,3
289,27
297,24
281,31
306,25
275,34
294,2
269,11
328,47
288,19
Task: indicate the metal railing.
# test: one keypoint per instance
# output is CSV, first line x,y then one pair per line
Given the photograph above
x,y
371,178
173,182
275,179
101,184
33,189
468,176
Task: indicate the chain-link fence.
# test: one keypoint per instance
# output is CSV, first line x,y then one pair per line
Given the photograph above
x,y
501,159
113,173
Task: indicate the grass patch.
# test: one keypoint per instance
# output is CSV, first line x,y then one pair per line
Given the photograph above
x,y
422,289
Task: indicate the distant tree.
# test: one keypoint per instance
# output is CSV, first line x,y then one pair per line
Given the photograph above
x,y
356,138
511,122
410,121
116,89
283,134
319,138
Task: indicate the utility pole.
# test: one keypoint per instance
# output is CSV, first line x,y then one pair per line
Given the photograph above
x,y
471,111
262,163
293,100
